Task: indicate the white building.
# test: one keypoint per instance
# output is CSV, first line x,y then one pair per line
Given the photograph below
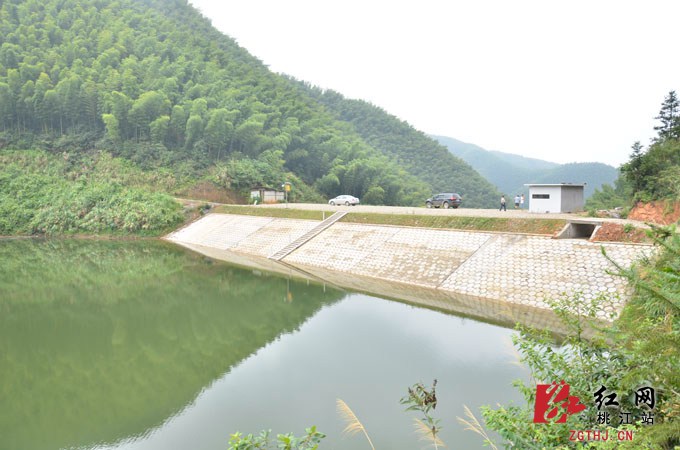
x,y
556,198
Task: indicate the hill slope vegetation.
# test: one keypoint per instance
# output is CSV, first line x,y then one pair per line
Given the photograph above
x,y
152,82
412,149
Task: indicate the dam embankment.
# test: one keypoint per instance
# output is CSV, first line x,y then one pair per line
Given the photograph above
x,y
502,277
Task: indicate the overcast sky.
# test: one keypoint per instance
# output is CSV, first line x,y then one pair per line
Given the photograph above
x,y
564,81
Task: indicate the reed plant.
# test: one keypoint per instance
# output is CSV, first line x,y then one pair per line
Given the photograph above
x,y
352,423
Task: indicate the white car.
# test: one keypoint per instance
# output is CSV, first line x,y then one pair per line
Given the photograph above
x,y
344,200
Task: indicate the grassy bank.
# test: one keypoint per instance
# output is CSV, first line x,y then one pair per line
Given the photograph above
x,y
43,193
530,226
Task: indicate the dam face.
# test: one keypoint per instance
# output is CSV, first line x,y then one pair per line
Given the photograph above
x,y
423,264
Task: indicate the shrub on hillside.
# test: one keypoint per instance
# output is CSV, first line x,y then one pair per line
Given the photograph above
x,y
42,194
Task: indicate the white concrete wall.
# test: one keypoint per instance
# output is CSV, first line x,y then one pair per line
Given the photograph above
x,y
539,205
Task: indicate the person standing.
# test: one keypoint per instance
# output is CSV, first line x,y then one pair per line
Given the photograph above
x,y
521,202
503,208
516,201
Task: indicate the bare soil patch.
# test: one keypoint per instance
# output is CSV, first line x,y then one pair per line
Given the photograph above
x,y
660,212
615,232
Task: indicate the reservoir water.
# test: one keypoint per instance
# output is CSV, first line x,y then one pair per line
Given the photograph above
x,y
147,346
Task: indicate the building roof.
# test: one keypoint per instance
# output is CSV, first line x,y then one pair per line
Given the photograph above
x,y
557,184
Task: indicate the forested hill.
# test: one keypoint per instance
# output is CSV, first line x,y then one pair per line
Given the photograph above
x,y
153,82
510,172
421,155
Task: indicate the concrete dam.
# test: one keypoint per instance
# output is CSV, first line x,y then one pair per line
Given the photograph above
x,y
500,277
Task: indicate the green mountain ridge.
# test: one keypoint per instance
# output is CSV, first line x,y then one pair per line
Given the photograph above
x,y
412,149
510,172
153,82
524,162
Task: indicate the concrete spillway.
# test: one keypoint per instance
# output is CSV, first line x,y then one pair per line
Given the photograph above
x,y
516,273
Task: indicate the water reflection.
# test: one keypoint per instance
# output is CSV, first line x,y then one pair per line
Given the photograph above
x,y
143,345
494,311
105,339
366,351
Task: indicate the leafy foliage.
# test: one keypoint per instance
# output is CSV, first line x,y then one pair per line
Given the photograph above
x,y
669,116
152,81
424,400
608,197
653,174
419,154
309,441
40,193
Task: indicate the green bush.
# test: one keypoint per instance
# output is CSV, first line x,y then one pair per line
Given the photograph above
x,y
309,441
41,194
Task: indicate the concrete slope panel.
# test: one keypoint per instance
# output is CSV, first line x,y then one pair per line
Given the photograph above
x,y
274,236
421,257
221,231
342,246
530,270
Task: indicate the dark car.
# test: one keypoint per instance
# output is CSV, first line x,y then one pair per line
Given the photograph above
x,y
445,200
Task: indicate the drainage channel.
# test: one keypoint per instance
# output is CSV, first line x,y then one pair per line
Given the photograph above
x,y
579,229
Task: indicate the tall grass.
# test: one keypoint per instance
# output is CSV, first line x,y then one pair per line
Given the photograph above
x,y
353,425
